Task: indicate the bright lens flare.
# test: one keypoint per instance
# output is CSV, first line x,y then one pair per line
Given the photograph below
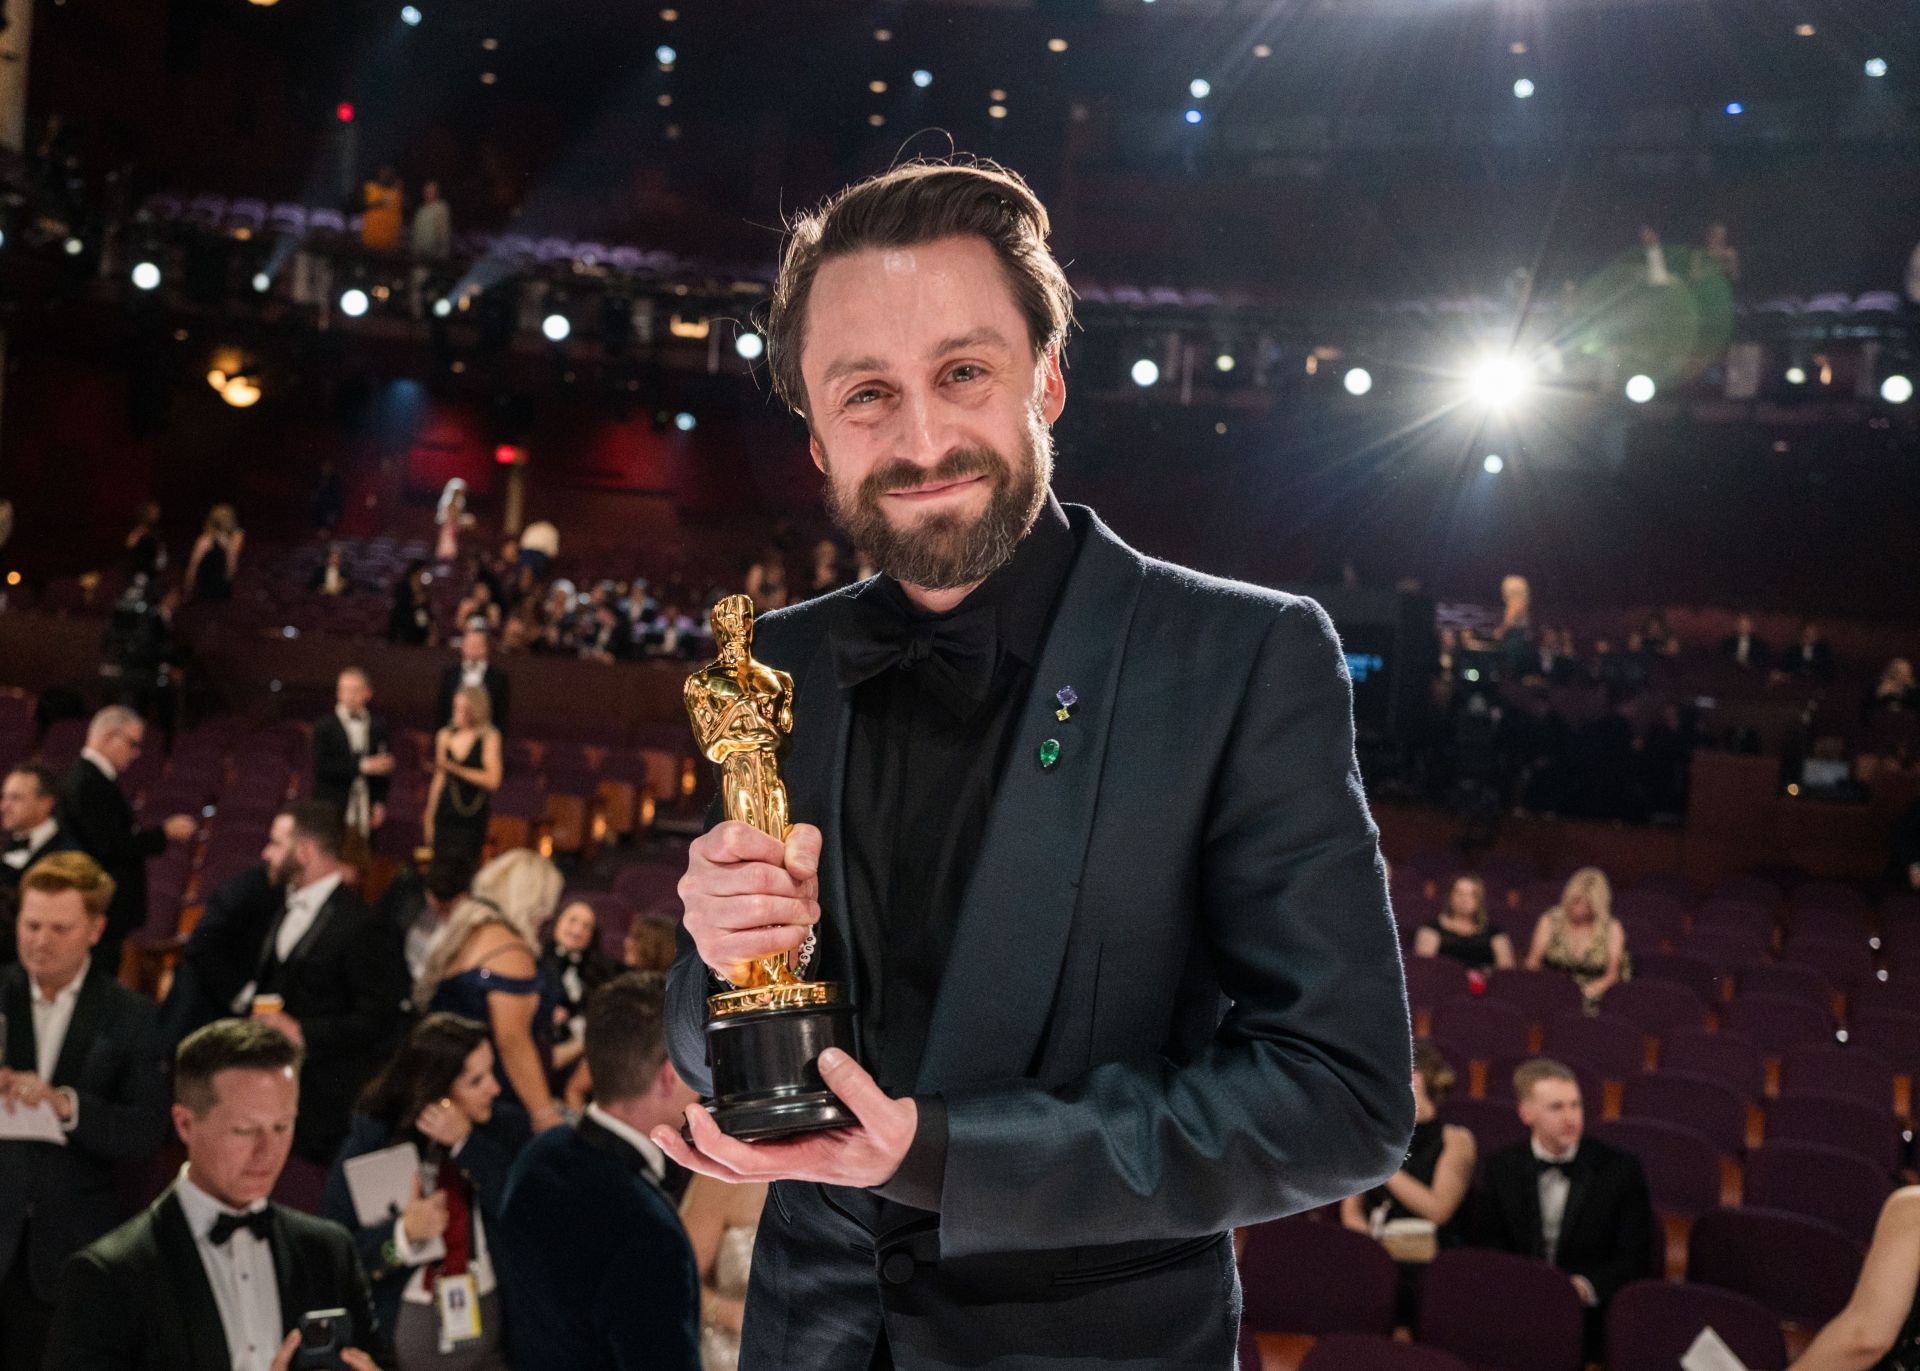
x,y
1500,382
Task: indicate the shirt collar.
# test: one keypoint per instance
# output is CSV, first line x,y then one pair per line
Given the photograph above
x,y
1541,1154
42,833
650,1153
112,771
201,1208
315,893
340,713
67,993
1021,593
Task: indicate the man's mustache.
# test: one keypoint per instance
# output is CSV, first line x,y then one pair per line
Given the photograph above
x,y
958,465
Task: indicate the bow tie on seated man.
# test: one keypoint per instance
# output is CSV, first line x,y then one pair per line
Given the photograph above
x,y
256,1221
952,654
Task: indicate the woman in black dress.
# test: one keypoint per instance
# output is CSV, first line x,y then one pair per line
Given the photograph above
x,y
1879,1330
466,772
216,557
1462,931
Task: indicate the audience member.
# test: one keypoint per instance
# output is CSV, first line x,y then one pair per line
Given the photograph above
x,y
1895,692
1579,937
146,554
419,904
1656,638
83,1047
539,545
452,519
33,830
222,953
1810,659
436,1095
329,975
213,1276
1572,1201
1423,1198
1656,257
98,818
596,1256
466,772
484,966
1461,930
1879,1330
650,943
382,212
352,764
410,620
572,966
827,575
474,669
432,237
722,1221
478,611
1743,647
215,559
767,581
331,577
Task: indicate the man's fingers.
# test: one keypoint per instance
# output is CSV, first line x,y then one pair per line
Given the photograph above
x,y
739,913
802,855
857,1090
675,1146
748,878
734,948
734,841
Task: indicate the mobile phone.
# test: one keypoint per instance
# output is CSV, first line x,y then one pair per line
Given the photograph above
x,y
324,1335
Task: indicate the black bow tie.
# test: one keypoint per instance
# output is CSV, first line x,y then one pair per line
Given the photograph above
x,y
259,1222
953,655
1565,1168
20,844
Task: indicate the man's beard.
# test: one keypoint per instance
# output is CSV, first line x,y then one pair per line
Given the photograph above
x,y
281,875
944,551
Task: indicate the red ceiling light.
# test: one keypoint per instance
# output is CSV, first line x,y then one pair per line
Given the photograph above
x,y
508,455
344,111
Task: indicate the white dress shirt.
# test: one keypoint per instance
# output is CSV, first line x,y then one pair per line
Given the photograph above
x,y
240,1270
650,1153
359,728
37,837
51,1018
474,674
107,768
303,907
1555,1186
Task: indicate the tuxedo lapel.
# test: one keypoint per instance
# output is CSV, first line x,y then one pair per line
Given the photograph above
x,y
1580,1184
89,1009
314,929
181,1268
1525,1195
831,726
285,1271
1011,930
22,1048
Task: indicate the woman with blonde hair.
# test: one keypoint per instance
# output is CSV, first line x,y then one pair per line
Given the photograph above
x,y
452,517
483,965
1581,938
466,771
215,560
1461,930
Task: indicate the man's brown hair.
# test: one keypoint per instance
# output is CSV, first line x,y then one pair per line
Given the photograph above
x,y
228,1045
920,202
1530,1073
60,871
627,1035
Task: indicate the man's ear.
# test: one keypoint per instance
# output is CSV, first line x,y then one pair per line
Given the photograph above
x,y
815,451
1053,386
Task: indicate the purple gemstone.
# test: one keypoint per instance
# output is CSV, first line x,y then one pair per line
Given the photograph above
x,y
1067,697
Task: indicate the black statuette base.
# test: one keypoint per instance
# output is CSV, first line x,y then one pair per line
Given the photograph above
x,y
766,1073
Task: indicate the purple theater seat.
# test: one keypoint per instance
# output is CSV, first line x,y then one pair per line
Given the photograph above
x,y
1791,979
1494,1123
1651,1324
1432,981
1723,948
1302,1276
1730,1058
1800,1268
1467,1306
1369,1352
1540,995
1736,918
1858,1073
1829,895
1247,1354
1828,924
1818,1182
1838,1121
1701,1103
1699,975
1614,1047
1474,1029
1845,962
1682,1166
1753,890
1658,1007
1893,1033
1777,1024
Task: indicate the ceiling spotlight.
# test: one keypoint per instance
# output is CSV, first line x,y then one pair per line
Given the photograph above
x,y
877,87
1358,381
442,307
883,35
1896,389
1876,67
996,111
1498,382
876,119
353,302
1523,89
1640,389
1145,372
1056,45
1224,362
1493,466
1735,107
1193,116
410,15
1803,30
923,78
556,327
74,247
1199,88
146,276
1796,376
262,283
665,55
684,421
1262,50
750,345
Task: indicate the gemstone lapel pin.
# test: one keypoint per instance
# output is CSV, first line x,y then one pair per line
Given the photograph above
x,y
1049,752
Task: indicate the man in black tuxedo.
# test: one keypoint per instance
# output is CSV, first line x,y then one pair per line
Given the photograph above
x,y
29,830
601,1273
82,1045
473,669
1745,648
222,952
1570,1200
213,1276
336,967
1810,659
1082,836
352,764
100,821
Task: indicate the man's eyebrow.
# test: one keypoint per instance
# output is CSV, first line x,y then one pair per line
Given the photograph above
x,y
977,338
846,366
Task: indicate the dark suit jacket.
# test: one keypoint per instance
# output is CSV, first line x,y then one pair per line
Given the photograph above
x,y
336,765
1607,1232
1758,657
345,983
486,1157
497,684
221,954
1174,1002
99,818
598,1269
113,1060
61,841
138,1299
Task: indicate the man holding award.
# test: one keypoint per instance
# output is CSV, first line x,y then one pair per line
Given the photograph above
x,y
1076,839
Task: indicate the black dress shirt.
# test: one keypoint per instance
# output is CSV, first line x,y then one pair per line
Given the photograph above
x,y
922,767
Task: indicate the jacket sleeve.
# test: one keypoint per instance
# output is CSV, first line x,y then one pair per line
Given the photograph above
x,y
503,700
660,1333
688,985
356,1297
333,764
128,1122
1630,1237
82,1338
336,1203
376,968
1301,1097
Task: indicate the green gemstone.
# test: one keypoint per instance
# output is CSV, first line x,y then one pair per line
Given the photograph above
x,y
1049,752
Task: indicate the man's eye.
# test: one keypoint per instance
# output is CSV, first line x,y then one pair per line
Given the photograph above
x,y
860,397
966,371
